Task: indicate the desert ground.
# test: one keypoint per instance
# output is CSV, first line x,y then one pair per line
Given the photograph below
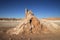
x,y
50,30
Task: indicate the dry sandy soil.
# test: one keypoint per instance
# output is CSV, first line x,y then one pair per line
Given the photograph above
x,y
50,24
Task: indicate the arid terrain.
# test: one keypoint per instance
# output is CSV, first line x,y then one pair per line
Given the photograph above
x,y
50,30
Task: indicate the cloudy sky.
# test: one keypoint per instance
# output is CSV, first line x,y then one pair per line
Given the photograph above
x,y
41,8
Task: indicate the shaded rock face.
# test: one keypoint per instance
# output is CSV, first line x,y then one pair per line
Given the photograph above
x,y
36,25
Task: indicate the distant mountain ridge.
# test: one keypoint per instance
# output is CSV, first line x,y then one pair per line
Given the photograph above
x,y
10,18
22,18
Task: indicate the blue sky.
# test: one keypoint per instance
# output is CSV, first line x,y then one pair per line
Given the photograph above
x,y
41,8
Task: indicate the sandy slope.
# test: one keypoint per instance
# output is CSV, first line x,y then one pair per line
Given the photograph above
x,y
51,25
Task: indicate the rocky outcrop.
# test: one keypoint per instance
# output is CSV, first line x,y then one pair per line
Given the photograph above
x,y
30,24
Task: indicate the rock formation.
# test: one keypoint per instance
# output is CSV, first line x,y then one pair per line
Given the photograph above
x,y
30,24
